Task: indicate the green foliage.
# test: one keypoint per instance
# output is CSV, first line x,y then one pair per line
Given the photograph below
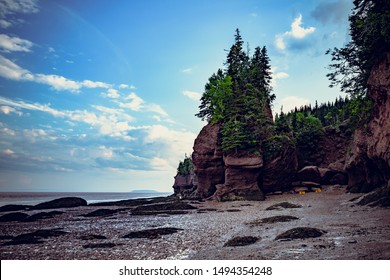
x,y
281,124
308,132
360,112
370,33
236,136
216,98
185,167
240,98
351,113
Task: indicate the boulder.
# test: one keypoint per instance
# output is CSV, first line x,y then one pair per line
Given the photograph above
x,y
64,202
368,165
326,175
13,217
207,158
339,179
14,207
309,174
333,176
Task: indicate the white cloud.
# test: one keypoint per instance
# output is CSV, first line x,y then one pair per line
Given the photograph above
x,y
276,76
175,143
113,93
160,164
58,82
186,71
38,134
192,95
279,42
157,118
9,7
296,33
8,110
290,102
12,71
14,44
8,131
113,123
12,7
106,152
155,108
136,103
4,23
123,86
92,84
8,152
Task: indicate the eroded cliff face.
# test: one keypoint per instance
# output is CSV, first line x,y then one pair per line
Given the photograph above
x,y
208,161
368,164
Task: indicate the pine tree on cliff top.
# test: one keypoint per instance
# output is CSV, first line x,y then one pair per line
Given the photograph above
x,y
240,98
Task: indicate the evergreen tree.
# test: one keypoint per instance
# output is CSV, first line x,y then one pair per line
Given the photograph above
x,y
239,98
237,63
216,98
370,33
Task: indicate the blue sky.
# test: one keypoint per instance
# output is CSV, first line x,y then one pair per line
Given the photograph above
x,y
101,95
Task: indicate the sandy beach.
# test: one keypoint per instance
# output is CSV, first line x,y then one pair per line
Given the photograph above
x,y
349,231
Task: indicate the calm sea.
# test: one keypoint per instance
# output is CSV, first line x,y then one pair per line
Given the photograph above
x,y
32,198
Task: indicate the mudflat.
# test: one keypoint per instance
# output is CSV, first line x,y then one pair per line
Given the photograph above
x,y
324,225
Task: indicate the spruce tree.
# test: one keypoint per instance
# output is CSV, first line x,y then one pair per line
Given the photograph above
x,y
239,98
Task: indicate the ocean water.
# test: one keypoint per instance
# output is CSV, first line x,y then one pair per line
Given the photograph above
x,y
32,198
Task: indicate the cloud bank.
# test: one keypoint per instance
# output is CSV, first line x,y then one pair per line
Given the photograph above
x,y
296,38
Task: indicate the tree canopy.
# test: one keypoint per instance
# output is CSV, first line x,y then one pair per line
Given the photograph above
x,y
370,40
239,97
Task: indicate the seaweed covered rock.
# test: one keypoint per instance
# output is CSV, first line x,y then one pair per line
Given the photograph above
x,y
301,233
35,237
13,217
64,202
241,241
152,233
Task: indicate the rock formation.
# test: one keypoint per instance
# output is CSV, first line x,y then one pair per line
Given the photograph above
x,y
368,164
64,202
279,170
241,178
361,161
185,184
208,160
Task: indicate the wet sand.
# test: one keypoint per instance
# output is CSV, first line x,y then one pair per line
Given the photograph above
x,y
351,231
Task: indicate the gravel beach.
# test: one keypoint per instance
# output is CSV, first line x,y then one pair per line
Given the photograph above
x,y
346,231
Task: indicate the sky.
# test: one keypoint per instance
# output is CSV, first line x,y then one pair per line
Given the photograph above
x,y
100,95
